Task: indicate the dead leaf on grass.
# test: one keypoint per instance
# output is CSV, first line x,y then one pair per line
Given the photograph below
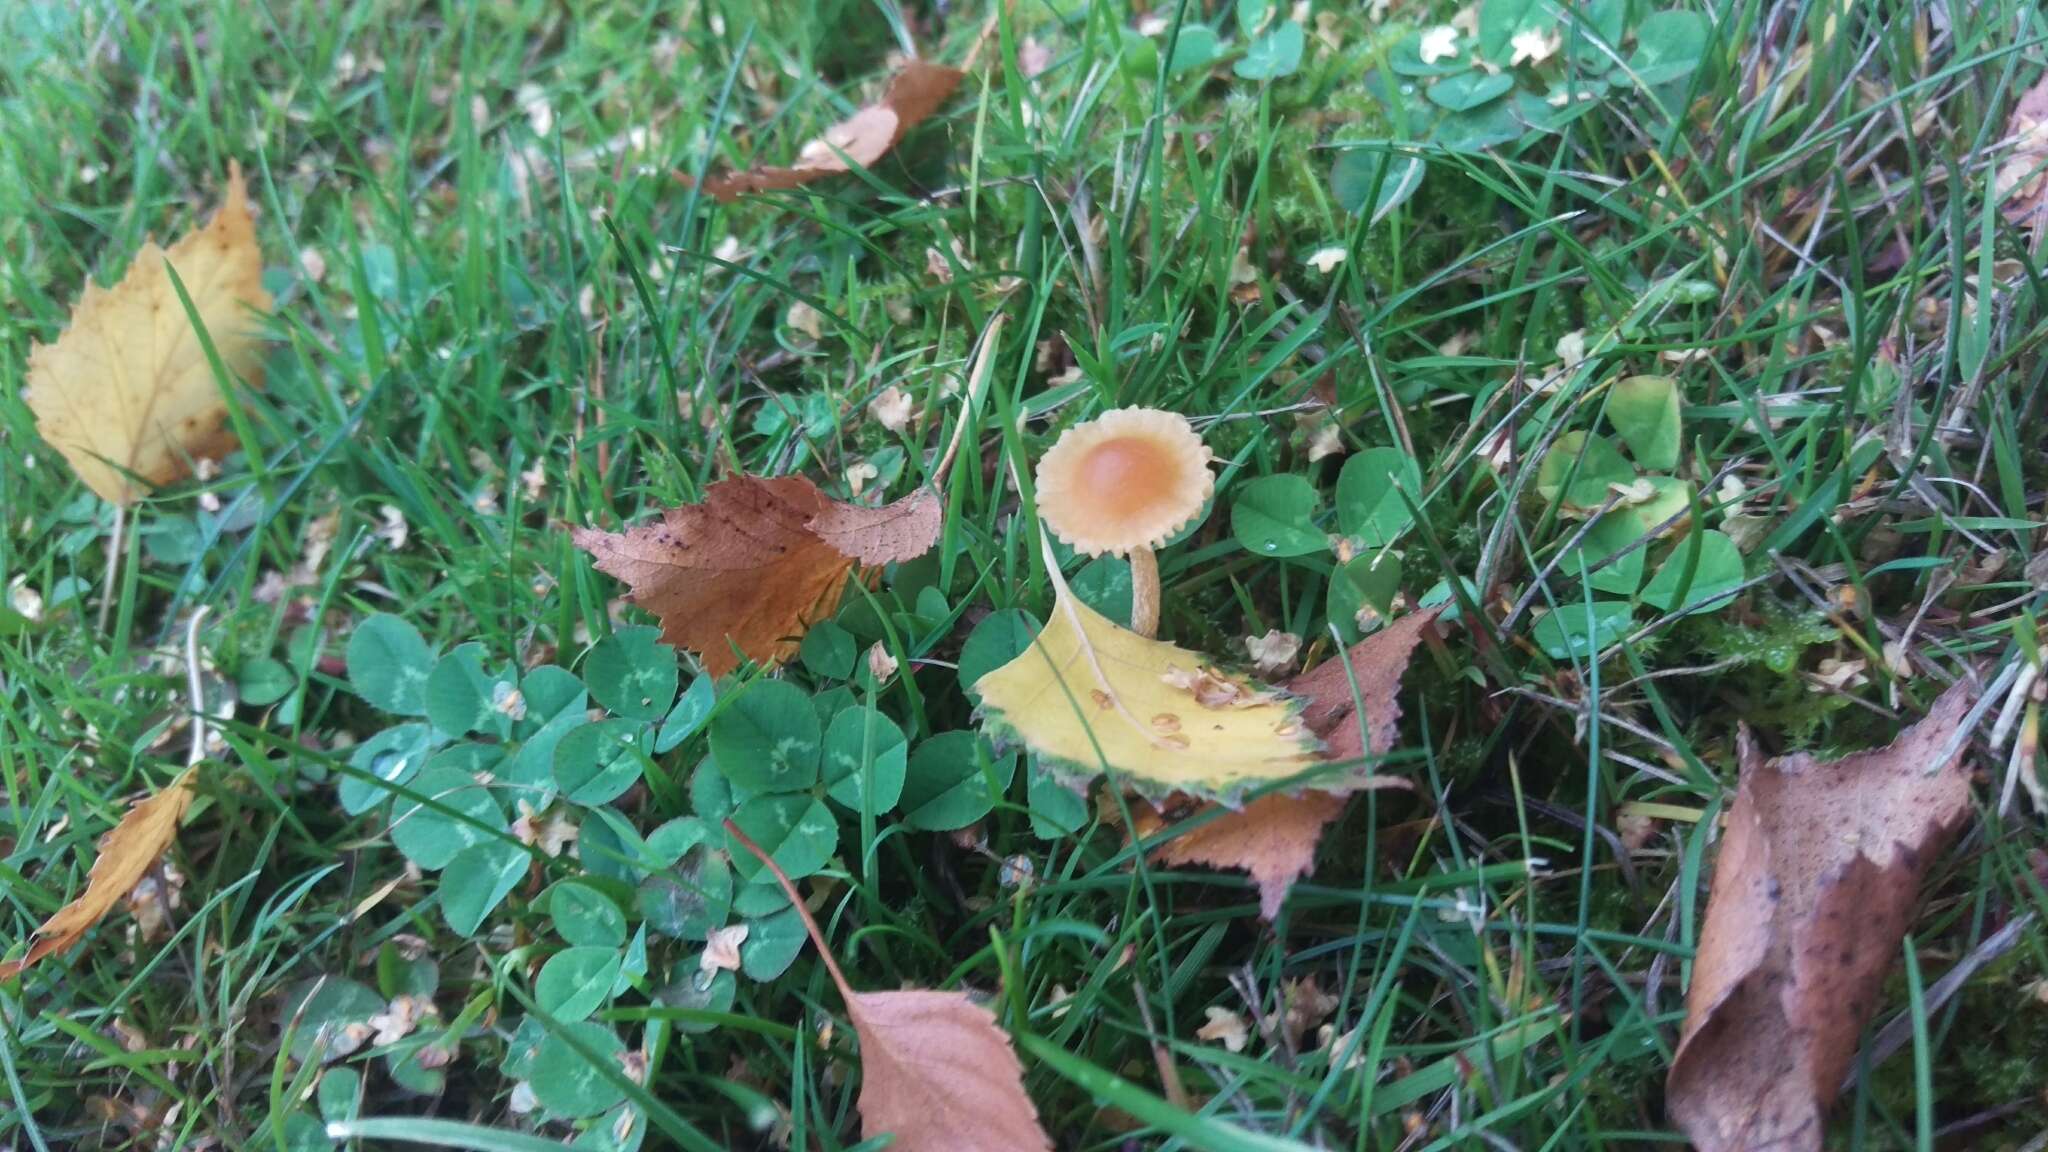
x,y
937,1073
1274,837
127,853
755,564
1818,874
127,393
863,138
2021,184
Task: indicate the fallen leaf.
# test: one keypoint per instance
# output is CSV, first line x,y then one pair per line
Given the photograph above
x,y
722,948
881,664
914,94
126,394
1304,1006
892,408
1088,695
1225,1027
1274,837
2021,184
127,852
757,562
1377,663
398,1019
1274,652
1325,260
937,1072
889,534
1818,874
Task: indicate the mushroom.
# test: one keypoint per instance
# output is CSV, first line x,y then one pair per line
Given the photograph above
x,y
1124,483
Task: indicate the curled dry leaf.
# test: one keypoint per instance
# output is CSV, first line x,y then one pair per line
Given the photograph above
x,y
126,854
1818,873
863,138
754,565
127,393
1274,837
937,1073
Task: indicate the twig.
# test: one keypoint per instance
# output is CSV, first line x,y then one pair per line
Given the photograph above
x,y
113,564
977,379
194,687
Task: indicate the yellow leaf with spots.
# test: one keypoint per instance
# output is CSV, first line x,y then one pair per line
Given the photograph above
x,y
126,854
127,393
1089,696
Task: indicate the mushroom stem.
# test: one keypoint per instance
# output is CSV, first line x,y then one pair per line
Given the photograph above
x,y
1144,592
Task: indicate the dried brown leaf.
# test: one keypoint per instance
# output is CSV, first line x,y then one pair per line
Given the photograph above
x,y
127,853
126,393
1274,837
755,564
937,1073
891,534
2021,183
1378,663
1818,873
914,94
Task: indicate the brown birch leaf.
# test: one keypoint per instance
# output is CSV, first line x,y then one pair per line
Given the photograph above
x,y
891,534
749,569
126,393
937,1072
1377,662
127,853
938,1075
1819,870
863,138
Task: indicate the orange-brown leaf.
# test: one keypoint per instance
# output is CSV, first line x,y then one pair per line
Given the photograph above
x,y
126,393
1818,874
890,534
739,571
865,137
749,569
1378,663
938,1075
1274,837
127,853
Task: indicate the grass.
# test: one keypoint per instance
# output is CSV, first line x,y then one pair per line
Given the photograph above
x,y
499,316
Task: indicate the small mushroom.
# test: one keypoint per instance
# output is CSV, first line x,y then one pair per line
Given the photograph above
x,y
1124,483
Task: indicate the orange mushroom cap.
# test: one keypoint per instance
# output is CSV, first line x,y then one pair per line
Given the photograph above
x,y
1127,479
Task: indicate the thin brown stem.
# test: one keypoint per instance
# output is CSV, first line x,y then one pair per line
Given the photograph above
x,y
796,901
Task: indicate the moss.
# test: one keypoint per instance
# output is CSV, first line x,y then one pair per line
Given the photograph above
x,y
1987,1057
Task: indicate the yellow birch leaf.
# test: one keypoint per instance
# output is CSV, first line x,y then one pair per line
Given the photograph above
x,y
126,393
1088,694
126,854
